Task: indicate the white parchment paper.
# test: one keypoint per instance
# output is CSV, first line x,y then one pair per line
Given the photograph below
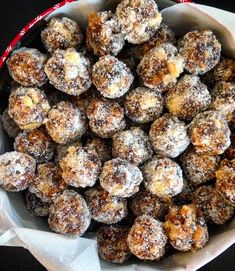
x,y
59,253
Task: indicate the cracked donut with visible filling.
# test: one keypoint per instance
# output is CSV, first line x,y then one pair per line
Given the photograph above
x,y
111,77
209,133
36,143
80,167
28,107
186,228
160,67
48,182
66,122
61,33
147,239
17,171
143,105
105,117
201,51
139,19
214,208
162,177
35,205
26,67
112,244
168,136
104,35
105,208
188,97
69,71
9,125
69,214
132,145
199,168
120,178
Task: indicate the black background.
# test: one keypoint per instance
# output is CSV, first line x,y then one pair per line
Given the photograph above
x,y
14,15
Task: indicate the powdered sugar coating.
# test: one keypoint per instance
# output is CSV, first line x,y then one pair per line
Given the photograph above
x,y
199,168
160,67
48,182
9,125
26,65
188,97
225,181
105,117
111,77
112,244
62,150
80,167
69,71
147,239
132,145
28,107
143,105
201,51
215,210
16,171
36,143
162,177
139,19
209,133
105,208
169,136
103,34
223,99
186,228
69,214
120,178
65,122
35,205
61,33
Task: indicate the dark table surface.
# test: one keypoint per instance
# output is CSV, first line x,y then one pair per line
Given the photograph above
x,y
14,14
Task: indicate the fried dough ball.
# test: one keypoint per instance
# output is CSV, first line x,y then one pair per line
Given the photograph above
x,y
62,150
120,178
201,51
139,19
35,205
105,117
80,167
36,143
186,228
147,239
69,71
61,33
111,77
48,182
69,214
145,203
9,125
188,97
199,168
65,122
209,133
225,181
26,67
103,34
132,145
16,171
162,177
105,208
143,105
215,210
169,136
223,99
160,67
112,244
101,146
28,107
